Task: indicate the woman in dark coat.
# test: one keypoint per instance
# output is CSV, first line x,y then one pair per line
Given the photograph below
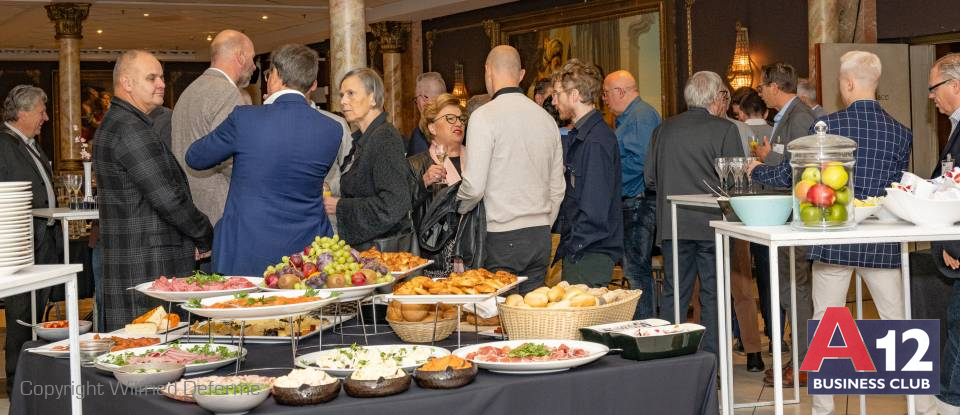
x,y
375,197
443,122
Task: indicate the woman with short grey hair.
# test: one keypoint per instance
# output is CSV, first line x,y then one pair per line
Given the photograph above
x,y
376,197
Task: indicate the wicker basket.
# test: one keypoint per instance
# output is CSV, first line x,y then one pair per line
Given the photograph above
x,y
420,332
563,323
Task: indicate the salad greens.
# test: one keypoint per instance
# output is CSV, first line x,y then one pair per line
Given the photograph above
x,y
530,350
201,278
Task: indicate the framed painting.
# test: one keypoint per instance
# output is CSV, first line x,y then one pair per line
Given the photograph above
x,y
96,91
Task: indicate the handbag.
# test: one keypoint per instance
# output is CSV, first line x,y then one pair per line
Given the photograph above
x,y
471,232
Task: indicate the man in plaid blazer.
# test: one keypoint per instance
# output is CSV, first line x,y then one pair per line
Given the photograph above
x,y
883,151
149,224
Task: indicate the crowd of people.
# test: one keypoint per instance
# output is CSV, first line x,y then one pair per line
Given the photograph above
x,y
231,187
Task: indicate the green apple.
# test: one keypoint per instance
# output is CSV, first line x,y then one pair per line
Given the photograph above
x,y
810,215
835,176
812,174
837,213
844,196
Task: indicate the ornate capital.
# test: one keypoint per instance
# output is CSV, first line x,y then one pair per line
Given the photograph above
x,y
492,29
391,35
68,18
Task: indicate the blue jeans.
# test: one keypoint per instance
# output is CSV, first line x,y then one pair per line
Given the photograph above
x,y
639,230
950,364
696,258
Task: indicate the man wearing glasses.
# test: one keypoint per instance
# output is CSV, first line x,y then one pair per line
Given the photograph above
x,y
635,123
429,86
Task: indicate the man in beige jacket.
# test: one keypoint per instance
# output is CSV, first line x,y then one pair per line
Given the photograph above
x,y
203,106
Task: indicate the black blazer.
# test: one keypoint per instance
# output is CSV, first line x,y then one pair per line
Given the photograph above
x,y
952,247
375,189
16,164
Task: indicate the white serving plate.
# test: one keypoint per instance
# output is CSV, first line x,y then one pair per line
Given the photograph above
x,y
16,223
22,253
48,349
18,207
333,321
191,369
181,296
347,294
306,361
17,244
256,313
596,351
12,262
10,270
398,275
11,198
5,186
451,299
14,230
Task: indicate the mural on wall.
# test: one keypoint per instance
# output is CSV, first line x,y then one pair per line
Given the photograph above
x,y
631,43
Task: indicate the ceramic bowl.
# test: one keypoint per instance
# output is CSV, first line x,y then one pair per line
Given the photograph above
x,y
922,211
148,374
235,404
61,333
376,388
445,379
307,394
762,210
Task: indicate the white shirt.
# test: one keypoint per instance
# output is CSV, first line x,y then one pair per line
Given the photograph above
x,y
755,121
51,199
275,95
232,82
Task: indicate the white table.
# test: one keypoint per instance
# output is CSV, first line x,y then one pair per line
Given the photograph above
x,y
775,237
38,277
706,200
65,215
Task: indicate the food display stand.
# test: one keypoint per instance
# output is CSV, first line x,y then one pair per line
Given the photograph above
x,y
775,237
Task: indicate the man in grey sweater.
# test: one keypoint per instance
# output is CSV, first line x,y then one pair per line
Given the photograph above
x,y
515,165
203,106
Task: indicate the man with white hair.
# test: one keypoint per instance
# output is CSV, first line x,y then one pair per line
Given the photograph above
x,y
206,102
682,150
429,86
883,151
808,95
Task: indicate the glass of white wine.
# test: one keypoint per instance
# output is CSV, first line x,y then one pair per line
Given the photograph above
x,y
441,156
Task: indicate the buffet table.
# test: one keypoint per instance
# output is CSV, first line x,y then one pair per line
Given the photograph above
x,y
775,237
681,385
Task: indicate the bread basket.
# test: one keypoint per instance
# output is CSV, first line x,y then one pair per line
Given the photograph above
x,y
521,323
421,331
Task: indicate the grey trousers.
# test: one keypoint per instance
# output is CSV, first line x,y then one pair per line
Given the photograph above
x,y
803,271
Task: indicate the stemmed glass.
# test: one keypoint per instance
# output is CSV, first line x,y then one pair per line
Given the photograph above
x,y
737,167
441,156
74,182
746,163
722,165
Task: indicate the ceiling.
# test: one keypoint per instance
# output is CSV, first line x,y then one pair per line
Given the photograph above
x,y
185,24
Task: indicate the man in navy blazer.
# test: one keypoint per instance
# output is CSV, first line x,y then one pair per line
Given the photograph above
x,y
281,153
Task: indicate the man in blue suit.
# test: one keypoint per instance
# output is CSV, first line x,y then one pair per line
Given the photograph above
x,y
281,154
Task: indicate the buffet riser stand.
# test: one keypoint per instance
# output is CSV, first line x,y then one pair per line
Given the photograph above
x,y
37,277
785,236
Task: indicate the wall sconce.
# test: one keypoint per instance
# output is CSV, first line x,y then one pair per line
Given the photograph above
x,y
740,71
459,87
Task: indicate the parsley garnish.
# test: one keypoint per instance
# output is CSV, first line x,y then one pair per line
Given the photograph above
x,y
201,278
530,350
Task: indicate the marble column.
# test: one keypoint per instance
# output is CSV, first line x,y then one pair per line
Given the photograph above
x,y
393,39
858,21
68,19
348,43
823,24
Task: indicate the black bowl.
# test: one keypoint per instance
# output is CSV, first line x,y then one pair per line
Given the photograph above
x,y
376,388
306,394
445,379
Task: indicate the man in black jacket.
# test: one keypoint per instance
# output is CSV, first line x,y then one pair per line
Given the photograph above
x,y
590,220
21,159
149,225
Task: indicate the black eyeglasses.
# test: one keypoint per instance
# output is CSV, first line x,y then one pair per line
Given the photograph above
x,y
932,88
452,119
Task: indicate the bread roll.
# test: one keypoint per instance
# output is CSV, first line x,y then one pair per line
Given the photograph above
x,y
415,312
428,317
583,287
562,284
560,304
514,300
572,292
596,292
542,290
583,300
556,294
394,312
536,299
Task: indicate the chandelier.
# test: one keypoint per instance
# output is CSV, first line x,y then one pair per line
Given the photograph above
x,y
740,71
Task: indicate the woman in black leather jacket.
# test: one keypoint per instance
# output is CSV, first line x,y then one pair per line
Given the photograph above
x,y
444,123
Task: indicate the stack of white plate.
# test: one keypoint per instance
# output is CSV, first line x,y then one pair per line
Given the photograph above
x,y
16,227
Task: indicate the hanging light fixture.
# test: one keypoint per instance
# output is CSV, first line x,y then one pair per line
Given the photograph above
x,y
459,87
740,71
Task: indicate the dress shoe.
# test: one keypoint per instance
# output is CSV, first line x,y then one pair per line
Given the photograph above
x,y
787,377
754,362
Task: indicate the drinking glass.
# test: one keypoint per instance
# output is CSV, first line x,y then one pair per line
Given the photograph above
x,y
74,183
754,143
441,156
722,165
736,166
746,163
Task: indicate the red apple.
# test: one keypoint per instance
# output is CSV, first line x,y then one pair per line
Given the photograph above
x,y
309,268
296,260
821,195
307,250
358,279
271,280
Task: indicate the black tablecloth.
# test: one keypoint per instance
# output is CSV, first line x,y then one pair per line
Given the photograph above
x,y
611,385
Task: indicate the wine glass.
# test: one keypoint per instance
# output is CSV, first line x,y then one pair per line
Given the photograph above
x,y
736,166
441,154
754,143
746,163
74,182
722,165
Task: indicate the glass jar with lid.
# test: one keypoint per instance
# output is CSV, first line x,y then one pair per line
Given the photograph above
x,y
822,180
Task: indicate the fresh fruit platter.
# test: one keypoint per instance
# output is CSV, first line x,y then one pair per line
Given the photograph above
x,y
824,196
328,263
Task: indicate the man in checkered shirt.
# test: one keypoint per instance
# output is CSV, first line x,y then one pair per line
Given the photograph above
x,y
883,149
